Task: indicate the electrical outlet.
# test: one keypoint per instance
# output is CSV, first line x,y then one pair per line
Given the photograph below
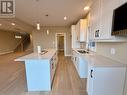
x,y
113,51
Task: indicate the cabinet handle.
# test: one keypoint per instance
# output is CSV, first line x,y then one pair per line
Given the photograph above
x,y
75,58
91,74
52,66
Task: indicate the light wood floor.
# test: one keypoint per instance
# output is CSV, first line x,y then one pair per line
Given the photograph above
x,y
13,81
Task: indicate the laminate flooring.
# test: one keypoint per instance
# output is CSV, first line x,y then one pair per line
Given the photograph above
x,y
13,78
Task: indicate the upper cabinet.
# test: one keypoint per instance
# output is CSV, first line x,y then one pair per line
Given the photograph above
x,y
106,16
81,30
101,15
79,33
95,19
75,43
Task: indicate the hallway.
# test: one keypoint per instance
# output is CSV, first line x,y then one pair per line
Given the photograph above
x,y
12,78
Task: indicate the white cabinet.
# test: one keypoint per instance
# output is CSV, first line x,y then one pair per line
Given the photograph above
x,y
122,1
53,66
81,30
107,7
101,15
83,67
95,19
77,31
125,92
75,43
80,64
75,60
90,80
105,80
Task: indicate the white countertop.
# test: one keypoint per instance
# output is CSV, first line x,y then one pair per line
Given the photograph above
x,y
100,61
36,56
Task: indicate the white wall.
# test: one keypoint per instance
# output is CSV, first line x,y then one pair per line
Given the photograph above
x,y
48,41
121,48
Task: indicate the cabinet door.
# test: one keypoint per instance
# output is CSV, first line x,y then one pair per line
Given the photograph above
x,y
125,91
122,1
51,69
90,28
75,43
83,68
78,31
83,30
73,57
90,80
76,61
77,64
95,18
107,7
109,81
73,33
101,15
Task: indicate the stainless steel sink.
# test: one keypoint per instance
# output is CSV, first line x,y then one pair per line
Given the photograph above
x,y
83,51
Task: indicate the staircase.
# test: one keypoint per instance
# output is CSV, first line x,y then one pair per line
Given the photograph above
x,y
23,44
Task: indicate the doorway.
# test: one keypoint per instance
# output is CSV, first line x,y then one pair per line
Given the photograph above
x,y
61,42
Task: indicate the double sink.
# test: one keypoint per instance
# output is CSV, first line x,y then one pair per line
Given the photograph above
x,y
83,51
79,51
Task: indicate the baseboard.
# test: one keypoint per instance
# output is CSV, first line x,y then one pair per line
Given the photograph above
x,y
31,49
6,52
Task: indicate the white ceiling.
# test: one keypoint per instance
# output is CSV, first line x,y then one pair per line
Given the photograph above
x,y
31,12
19,26
34,11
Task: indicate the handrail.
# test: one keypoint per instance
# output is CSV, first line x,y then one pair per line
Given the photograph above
x,y
21,42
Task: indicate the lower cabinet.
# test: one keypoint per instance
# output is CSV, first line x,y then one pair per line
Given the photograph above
x,y
80,65
101,79
83,68
106,80
53,66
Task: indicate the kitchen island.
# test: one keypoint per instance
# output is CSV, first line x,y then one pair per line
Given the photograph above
x,y
40,69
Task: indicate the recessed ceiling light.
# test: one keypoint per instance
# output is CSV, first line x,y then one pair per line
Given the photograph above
x,y
38,26
0,24
86,8
65,18
13,24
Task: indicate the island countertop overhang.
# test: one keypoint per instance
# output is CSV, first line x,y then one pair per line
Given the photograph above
x,y
37,56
